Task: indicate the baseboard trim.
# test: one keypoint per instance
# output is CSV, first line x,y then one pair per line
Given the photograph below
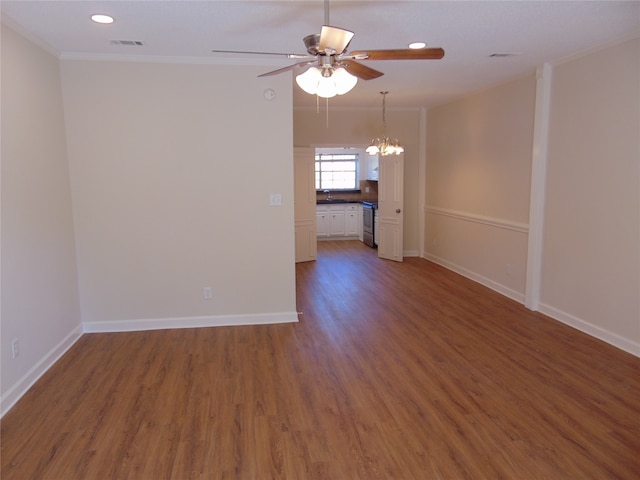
x,y
595,331
15,393
487,282
189,322
600,333
330,239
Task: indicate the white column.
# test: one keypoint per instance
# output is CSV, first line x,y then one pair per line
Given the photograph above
x,y
538,186
422,180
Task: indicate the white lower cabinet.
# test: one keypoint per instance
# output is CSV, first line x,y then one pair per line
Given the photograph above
x,y
337,220
322,222
351,220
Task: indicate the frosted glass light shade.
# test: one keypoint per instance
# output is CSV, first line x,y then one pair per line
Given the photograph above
x,y
373,148
326,88
344,80
308,81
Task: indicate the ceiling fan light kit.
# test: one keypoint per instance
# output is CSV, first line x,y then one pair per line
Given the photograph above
x,y
326,83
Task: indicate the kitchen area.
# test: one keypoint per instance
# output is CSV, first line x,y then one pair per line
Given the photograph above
x,y
346,219
346,194
350,214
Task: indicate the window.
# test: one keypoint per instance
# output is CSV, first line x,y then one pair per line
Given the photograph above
x,y
337,171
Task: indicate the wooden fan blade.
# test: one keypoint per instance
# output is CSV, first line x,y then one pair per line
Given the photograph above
x,y
402,54
286,69
360,70
334,40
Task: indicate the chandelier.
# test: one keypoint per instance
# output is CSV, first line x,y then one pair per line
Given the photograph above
x,y
384,145
326,80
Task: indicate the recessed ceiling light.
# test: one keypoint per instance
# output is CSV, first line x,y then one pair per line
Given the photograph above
x,y
101,18
417,45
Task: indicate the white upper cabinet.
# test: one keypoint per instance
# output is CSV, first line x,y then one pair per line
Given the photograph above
x,y
372,167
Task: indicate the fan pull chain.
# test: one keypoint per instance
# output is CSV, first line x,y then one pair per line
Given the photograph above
x,y
326,109
327,102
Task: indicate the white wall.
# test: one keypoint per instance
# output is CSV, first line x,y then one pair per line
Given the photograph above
x,y
354,127
40,304
172,167
478,178
591,250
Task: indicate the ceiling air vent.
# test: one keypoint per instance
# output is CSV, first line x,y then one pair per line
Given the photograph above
x,y
503,55
127,43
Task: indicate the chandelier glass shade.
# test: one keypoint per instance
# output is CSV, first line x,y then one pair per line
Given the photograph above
x,y
384,146
326,82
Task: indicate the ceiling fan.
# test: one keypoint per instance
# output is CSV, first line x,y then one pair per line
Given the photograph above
x,y
335,70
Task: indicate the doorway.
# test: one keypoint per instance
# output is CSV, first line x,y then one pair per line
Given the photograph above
x,y
331,185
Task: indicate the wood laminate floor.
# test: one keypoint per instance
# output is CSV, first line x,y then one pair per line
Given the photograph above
x,y
395,371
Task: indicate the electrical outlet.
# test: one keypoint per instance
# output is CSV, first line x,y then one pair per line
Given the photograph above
x,y
15,348
207,293
508,269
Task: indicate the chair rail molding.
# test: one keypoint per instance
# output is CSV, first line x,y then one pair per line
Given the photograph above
x,y
472,217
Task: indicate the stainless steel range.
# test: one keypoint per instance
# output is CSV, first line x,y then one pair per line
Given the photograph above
x,y
368,223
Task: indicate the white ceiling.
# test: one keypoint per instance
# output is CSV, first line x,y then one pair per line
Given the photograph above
x,y
469,32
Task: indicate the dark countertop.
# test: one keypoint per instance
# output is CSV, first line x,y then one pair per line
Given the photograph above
x,y
336,200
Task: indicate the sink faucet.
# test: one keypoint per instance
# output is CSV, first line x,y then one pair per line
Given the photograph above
x,y
328,192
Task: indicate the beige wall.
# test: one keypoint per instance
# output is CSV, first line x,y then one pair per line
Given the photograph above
x,y
591,263
39,284
479,151
129,187
352,127
478,179
172,167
